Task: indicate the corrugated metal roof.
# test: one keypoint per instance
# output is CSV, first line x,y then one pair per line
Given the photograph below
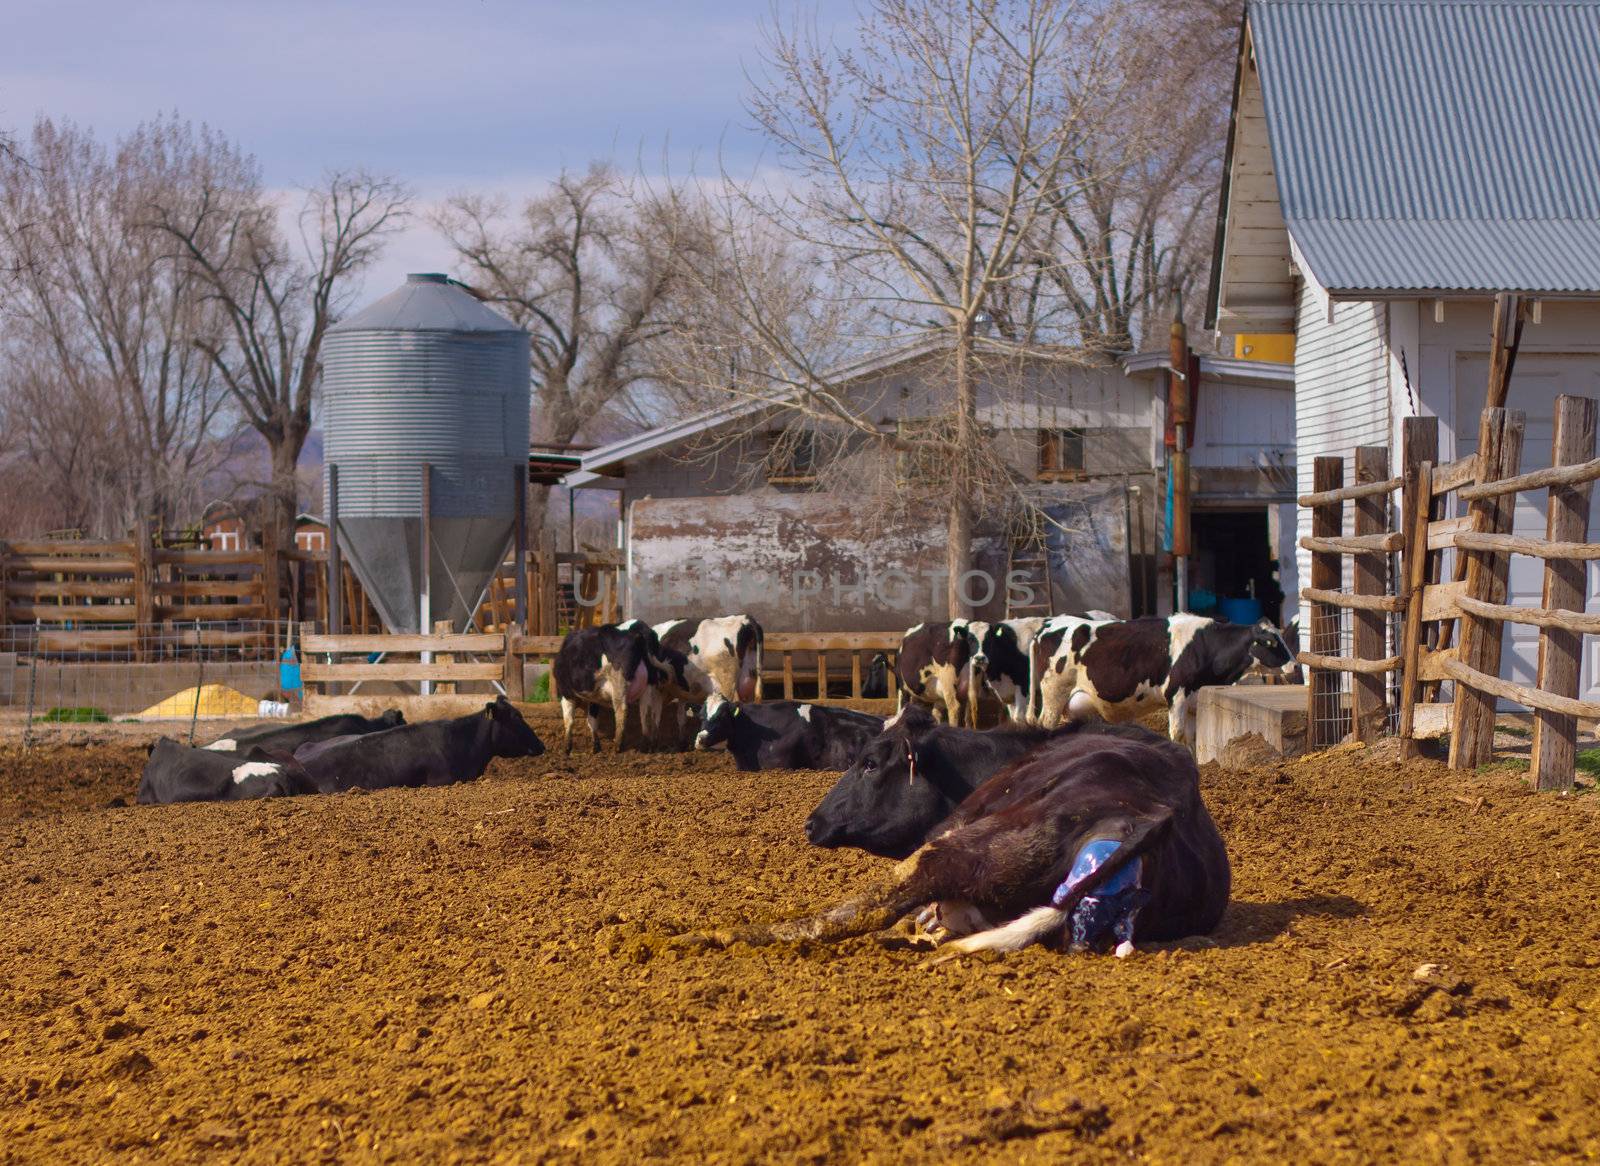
x,y
1436,144
426,302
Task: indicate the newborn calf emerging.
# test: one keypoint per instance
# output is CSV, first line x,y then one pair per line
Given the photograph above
x,y
1093,838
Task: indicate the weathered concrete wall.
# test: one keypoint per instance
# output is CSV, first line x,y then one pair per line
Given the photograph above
x,y
821,562
797,562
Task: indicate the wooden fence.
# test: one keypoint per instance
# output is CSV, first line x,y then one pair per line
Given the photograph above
x,y
813,656
1459,516
334,680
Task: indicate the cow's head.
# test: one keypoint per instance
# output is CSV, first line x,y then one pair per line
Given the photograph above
x,y
509,734
887,802
716,723
978,640
1267,647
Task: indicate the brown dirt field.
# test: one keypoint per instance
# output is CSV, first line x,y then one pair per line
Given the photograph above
x,y
479,974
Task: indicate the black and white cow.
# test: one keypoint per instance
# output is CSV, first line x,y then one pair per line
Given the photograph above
x,y
724,653
786,734
613,664
1138,666
430,753
180,773
1002,662
933,668
1090,841
1053,667
913,775
289,738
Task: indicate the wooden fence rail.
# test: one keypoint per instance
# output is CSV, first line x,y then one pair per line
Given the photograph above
x,y
1453,629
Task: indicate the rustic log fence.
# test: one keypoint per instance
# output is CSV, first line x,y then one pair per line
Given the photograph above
x,y
1452,630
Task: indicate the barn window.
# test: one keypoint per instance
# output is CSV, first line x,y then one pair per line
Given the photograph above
x,y
1060,455
791,458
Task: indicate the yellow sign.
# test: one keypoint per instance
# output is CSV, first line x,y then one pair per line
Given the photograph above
x,y
1277,347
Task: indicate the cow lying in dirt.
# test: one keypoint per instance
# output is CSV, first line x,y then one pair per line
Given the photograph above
x,y
288,738
430,753
911,777
181,773
785,734
1089,841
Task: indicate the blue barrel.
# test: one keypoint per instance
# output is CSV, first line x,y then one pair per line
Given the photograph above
x,y
1240,610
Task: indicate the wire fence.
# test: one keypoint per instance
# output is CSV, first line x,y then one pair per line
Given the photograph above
x,y
201,671
1332,632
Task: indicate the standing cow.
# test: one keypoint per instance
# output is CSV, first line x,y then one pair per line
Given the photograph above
x,y
613,664
1138,666
1089,841
1053,667
1002,662
724,653
934,669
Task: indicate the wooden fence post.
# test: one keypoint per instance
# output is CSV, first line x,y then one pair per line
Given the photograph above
x,y
1419,454
441,627
1327,521
1472,720
144,588
1555,735
513,684
1368,701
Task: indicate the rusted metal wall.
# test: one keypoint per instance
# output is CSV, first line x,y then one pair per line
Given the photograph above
x,y
797,562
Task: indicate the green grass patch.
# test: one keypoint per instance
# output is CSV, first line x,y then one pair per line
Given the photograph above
x,y
76,716
539,692
1589,762
1514,731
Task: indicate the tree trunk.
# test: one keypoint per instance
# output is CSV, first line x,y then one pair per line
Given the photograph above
x,y
285,497
958,551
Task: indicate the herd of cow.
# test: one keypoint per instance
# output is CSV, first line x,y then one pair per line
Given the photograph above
x,y
1041,670
1064,825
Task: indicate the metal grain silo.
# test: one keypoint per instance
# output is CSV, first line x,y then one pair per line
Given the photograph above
x,y
425,420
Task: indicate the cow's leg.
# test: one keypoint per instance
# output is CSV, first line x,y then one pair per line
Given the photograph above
x,y
568,709
619,709
592,716
1180,717
1051,693
906,888
650,709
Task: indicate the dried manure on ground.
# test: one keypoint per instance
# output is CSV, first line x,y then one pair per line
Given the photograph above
x,y
1409,971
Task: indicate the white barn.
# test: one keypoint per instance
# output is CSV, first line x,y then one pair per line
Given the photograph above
x,y
1391,168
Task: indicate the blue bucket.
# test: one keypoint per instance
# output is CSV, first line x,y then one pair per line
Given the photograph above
x,y
1240,610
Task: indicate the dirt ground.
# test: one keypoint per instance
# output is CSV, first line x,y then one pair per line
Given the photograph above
x,y
480,973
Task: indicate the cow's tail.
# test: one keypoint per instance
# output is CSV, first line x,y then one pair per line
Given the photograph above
x,y
1026,929
875,909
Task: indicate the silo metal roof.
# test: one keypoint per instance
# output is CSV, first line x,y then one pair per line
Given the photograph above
x,y
426,302
1449,145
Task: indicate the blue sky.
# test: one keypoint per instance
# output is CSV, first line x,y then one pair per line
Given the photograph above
x,y
447,95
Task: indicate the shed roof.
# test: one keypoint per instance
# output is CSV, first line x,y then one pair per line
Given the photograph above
x,y
1436,145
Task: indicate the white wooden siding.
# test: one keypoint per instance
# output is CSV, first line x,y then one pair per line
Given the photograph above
x,y
1341,389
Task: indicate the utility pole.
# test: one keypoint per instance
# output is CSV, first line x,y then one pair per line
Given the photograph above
x,y
1178,412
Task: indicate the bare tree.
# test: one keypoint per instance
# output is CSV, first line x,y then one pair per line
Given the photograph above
x,y
99,324
593,268
1133,206
278,290
922,165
